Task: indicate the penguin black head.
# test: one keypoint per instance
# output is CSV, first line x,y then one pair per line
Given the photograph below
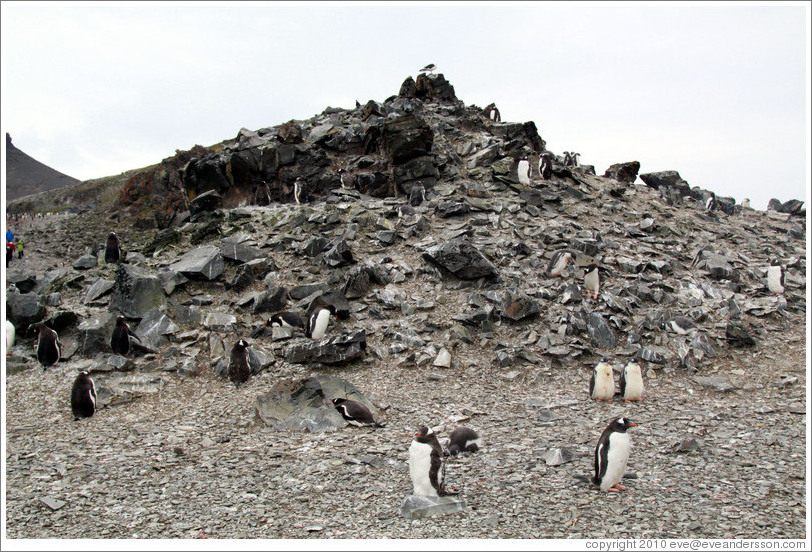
x,y
621,424
242,344
590,268
422,432
775,262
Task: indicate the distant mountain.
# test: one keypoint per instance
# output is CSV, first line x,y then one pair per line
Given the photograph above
x,y
26,176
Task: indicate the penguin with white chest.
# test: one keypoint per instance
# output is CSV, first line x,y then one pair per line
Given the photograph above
x,y
11,336
775,277
545,166
612,454
524,171
300,191
318,320
48,349
681,325
631,381
592,280
83,396
602,382
426,465
286,319
559,261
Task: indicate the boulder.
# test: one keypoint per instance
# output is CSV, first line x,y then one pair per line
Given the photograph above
x,y
95,333
205,203
25,282
668,180
86,261
406,137
98,289
304,404
24,310
136,291
153,329
271,301
239,252
599,331
461,259
623,172
203,263
333,351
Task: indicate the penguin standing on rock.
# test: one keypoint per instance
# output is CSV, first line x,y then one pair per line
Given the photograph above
x,y
300,191
426,465
775,277
318,320
347,180
238,369
120,341
611,455
354,412
545,166
112,251
524,170
710,204
567,159
417,195
631,381
463,439
592,281
83,396
602,382
48,349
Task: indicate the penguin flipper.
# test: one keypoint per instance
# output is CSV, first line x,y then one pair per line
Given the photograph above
x,y
623,382
592,384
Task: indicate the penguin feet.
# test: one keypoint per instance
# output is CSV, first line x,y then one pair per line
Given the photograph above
x,y
617,487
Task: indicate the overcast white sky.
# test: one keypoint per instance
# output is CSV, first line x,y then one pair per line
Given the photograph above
x,y
717,91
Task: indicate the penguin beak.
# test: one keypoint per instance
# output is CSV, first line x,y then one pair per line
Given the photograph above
x,y
632,425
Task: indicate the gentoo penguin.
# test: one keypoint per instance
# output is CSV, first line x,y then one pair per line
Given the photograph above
x,y
286,319
567,159
524,170
775,277
574,156
238,369
262,196
354,412
710,204
300,191
112,252
83,396
681,325
631,381
559,262
494,114
426,464
545,166
417,195
746,203
592,280
48,350
347,180
120,341
317,321
463,439
602,382
11,335
430,68
611,455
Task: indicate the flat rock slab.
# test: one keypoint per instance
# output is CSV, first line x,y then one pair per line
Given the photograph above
x,y
419,507
719,383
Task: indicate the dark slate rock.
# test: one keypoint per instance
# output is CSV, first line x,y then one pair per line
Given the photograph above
x,y
333,351
240,252
170,279
154,329
98,289
304,404
356,282
738,336
600,331
95,334
339,254
420,169
452,208
163,239
654,356
136,292
188,314
718,382
623,172
314,246
666,179
24,309
461,258
726,204
203,263
518,306
205,202
25,282
86,261
271,301
406,137
306,290
243,278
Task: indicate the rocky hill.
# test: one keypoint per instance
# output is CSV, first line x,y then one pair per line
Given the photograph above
x,y
447,315
26,176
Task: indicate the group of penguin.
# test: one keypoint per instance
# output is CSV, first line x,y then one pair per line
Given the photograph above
x,y
591,272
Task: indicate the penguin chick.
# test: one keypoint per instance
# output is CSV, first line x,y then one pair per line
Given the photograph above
x,y
463,439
